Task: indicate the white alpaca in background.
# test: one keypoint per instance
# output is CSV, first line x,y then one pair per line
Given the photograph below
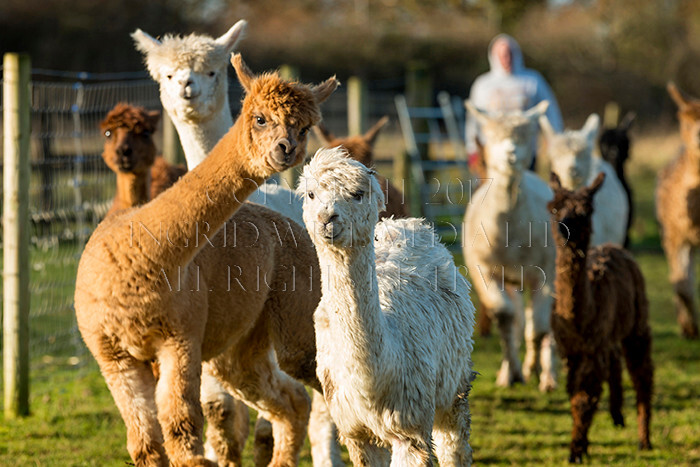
x,y
192,73
506,246
572,159
394,325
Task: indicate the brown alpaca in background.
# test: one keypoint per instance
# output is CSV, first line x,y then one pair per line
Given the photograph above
x,y
600,314
678,212
361,148
129,151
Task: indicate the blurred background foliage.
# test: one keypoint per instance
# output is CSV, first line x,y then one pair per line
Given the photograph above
x,y
591,51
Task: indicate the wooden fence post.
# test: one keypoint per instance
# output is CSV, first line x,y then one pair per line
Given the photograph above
x,y
357,106
289,177
172,149
16,132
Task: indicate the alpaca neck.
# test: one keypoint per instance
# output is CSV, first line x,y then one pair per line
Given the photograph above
x,y
571,283
349,283
184,218
133,189
505,187
198,137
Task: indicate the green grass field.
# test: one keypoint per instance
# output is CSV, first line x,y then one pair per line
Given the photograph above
x,y
74,421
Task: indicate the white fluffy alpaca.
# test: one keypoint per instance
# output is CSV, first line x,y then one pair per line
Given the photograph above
x,y
394,325
192,73
506,246
572,159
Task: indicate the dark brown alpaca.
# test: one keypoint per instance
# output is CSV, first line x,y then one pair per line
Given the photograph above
x,y
360,148
600,315
678,212
129,151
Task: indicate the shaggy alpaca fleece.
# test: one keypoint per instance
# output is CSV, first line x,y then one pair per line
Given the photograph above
x,y
394,325
678,212
601,315
178,281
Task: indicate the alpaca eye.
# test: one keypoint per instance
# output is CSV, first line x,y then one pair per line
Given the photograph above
x,y
260,121
108,134
212,73
311,195
170,76
145,133
304,131
358,196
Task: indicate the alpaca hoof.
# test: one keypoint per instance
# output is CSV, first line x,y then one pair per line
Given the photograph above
x,y
199,461
689,332
547,385
645,446
575,459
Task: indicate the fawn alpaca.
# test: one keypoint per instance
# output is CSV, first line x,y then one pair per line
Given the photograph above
x,y
130,314
677,201
600,316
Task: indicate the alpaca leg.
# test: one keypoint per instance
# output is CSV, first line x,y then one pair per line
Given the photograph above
x,y
615,386
483,321
637,351
680,260
584,386
133,386
504,311
323,434
414,452
531,363
227,422
367,454
264,443
251,372
178,401
451,434
543,340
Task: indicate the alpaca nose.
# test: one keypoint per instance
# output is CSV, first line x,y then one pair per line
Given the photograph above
x,y
329,219
286,151
124,151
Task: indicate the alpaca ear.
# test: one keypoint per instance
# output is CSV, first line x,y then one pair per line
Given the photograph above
x,y
323,91
546,128
627,121
590,128
676,95
479,114
595,186
535,112
554,181
323,134
245,76
144,42
233,35
372,133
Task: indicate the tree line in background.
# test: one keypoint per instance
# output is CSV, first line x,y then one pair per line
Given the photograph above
x,y
591,51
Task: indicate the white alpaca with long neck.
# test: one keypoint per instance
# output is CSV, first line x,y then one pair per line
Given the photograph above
x,y
572,158
191,71
394,325
192,74
506,246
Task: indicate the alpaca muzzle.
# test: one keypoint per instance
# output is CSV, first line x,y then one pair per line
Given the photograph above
x,y
285,153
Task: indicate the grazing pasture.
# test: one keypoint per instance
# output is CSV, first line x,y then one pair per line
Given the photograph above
x,y
75,422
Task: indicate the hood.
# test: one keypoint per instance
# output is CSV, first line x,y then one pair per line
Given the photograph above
x,y
518,64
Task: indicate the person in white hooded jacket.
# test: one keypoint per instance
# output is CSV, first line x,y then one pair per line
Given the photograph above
x,y
508,86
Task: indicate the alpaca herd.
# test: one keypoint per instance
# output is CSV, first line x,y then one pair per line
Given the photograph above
x,y
205,292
